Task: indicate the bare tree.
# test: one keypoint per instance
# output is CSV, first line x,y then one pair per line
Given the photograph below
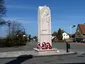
x,y
2,12
2,8
2,22
17,34
16,29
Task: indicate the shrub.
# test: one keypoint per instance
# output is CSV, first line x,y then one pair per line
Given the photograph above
x,y
13,41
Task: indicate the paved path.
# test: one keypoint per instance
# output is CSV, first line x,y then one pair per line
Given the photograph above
x,y
32,52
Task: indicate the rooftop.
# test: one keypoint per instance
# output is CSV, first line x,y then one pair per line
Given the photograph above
x,y
82,27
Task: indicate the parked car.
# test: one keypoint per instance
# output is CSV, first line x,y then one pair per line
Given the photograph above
x,y
77,39
83,41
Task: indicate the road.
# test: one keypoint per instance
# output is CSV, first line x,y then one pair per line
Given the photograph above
x,y
79,58
79,47
29,59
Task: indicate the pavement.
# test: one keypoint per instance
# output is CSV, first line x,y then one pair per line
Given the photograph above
x,y
33,53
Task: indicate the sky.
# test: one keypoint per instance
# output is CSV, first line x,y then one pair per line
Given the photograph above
x,y
64,14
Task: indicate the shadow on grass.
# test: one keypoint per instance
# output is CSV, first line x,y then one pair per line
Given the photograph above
x,y
20,59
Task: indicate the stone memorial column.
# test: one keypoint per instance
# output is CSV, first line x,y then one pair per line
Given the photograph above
x,y
44,28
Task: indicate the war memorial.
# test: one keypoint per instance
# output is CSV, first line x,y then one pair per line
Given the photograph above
x,y
44,45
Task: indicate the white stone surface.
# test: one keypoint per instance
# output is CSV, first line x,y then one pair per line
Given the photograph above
x,y
53,49
47,51
44,25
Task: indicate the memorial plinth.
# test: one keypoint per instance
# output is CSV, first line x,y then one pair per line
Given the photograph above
x,y
52,51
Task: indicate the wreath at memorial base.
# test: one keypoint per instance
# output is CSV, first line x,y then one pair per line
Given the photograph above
x,y
44,45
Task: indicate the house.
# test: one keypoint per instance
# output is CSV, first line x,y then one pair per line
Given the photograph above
x,y
80,31
65,36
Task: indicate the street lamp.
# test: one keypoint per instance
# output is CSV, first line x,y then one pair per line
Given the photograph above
x,y
72,26
9,24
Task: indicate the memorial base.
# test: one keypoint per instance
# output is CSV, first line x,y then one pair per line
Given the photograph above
x,y
52,51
